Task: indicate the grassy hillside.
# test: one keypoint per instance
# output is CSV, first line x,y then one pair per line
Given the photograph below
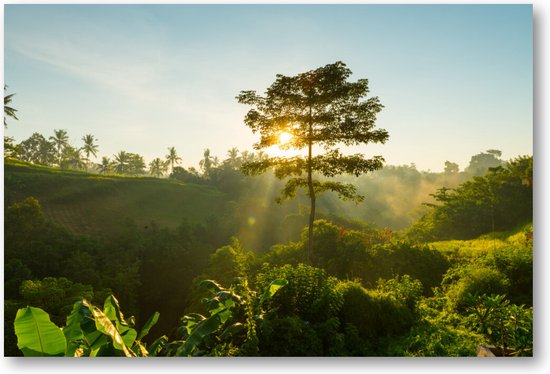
x,y
97,204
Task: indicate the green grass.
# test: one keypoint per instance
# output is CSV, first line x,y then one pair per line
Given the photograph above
x,y
97,204
486,243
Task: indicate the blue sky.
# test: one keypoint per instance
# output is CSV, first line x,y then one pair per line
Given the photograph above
x,y
455,80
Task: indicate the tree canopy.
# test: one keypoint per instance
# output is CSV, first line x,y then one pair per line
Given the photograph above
x,y
316,108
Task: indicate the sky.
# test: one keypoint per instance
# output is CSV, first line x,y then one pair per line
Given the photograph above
x,y
455,80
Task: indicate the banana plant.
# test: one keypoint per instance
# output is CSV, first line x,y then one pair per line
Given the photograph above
x,y
227,322
89,331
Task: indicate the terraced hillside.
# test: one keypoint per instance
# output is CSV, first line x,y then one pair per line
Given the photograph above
x,y
96,204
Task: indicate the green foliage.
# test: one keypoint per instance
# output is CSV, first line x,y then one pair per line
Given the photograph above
x,y
230,326
56,295
499,201
481,163
475,280
403,288
89,331
507,326
8,110
317,108
37,335
374,314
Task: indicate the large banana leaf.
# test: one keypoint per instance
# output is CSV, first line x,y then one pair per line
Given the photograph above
x,y
73,332
105,326
152,321
273,288
37,335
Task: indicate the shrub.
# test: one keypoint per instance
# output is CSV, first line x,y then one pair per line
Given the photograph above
x,y
375,314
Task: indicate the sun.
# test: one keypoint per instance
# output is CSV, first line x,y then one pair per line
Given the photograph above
x,y
284,138
282,148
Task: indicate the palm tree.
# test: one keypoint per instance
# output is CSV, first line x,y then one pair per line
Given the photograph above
x,y
172,157
60,140
8,111
233,160
105,166
89,146
136,164
121,162
206,163
72,158
157,167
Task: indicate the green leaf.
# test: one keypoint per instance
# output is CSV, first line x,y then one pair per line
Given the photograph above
x,y
211,285
96,340
158,345
232,330
104,325
73,332
204,328
273,288
111,308
152,321
37,335
129,336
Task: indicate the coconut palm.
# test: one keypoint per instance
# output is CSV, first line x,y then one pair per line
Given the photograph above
x,y
60,141
207,162
157,167
172,158
121,161
136,164
8,111
105,166
89,147
72,158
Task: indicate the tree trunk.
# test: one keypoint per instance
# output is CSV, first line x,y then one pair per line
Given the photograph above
x,y
311,196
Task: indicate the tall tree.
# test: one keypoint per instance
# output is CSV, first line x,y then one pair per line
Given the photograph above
x,y
172,157
105,166
121,162
451,167
89,147
60,140
482,162
207,162
157,167
136,164
8,110
37,149
10,149
71,158
316,108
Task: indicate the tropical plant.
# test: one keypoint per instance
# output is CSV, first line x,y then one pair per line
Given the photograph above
x,y
172,158
89,331
317,108
60,140
71,158
207,163
233,160
230,326
136,164
121,161
507,326
89,147
8,110
37,149
157,167
105,166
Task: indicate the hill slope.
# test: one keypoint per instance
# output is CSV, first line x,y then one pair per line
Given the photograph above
x,y
96,204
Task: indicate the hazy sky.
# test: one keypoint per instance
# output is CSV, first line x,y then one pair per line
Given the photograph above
x,y
455,80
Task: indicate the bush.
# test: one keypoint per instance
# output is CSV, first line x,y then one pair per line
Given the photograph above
x,y
476,280
375,314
